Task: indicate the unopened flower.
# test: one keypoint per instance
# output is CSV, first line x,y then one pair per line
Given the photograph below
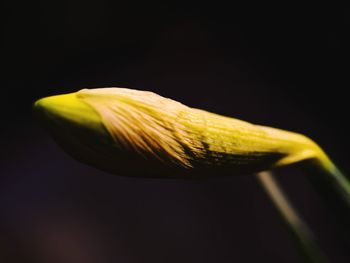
x,y
139,133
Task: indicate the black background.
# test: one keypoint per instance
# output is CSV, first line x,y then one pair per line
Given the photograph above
x,y
280,65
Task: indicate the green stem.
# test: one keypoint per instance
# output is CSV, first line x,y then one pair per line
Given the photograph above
x,y
298,229
343,184
334,189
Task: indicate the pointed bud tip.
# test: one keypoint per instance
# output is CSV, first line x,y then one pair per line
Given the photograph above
x,y
66,107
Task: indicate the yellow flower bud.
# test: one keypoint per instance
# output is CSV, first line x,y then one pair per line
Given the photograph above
x,y
140,133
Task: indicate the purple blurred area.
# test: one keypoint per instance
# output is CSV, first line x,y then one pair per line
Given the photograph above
x,y
282,66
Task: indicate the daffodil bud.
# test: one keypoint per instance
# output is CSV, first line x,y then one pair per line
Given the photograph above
x,y
140,133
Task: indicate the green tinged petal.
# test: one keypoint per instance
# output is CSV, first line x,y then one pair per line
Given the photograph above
x,y
68,108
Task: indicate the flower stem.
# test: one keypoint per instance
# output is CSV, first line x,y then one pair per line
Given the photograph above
x,y
298,229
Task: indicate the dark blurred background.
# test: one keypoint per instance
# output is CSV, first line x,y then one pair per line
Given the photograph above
x,y
280,65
